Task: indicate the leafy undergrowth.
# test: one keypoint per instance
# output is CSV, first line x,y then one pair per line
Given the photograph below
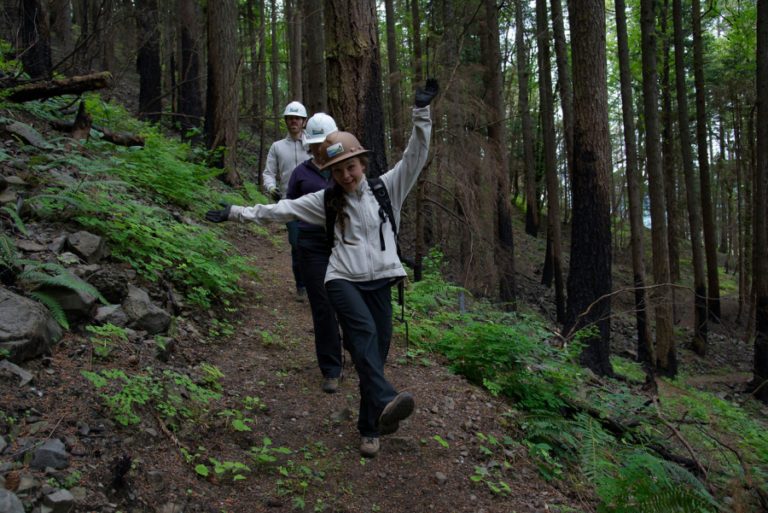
x,y
681,450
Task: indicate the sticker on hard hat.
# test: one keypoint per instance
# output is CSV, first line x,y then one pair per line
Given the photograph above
x,y
317,131
293,109
335,149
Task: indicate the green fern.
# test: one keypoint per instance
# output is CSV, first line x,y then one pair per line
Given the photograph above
x,y
62,279
7,252
11,211
53,306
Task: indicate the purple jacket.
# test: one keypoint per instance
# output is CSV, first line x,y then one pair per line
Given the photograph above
x,y
308,178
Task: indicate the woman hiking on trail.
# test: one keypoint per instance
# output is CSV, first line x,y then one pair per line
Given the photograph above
x,y
314,250
363,264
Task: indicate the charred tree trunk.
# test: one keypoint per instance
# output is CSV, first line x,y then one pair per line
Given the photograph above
x,y
355,97
564,80
589,279
761,195
222,98
645,353
35,39
666,357
532,208
190,97
317,90
394,80
148,62
707,211
549,149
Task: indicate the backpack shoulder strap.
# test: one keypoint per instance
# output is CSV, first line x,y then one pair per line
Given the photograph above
x,y
385,206
330,215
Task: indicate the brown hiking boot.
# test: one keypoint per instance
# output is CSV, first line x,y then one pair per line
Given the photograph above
x,y
396,410
330,385
369,446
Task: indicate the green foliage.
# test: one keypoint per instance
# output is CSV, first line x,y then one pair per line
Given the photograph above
x,y
174,396
105,338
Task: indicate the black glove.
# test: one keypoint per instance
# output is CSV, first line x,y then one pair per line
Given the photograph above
x,y
275,194
430,91
219,216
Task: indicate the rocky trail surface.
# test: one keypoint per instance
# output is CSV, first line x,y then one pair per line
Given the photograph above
x,y
270,440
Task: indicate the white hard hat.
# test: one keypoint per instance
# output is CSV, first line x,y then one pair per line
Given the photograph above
x,y
295,109
318,126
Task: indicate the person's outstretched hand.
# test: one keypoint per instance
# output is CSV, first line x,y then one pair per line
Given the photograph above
x,y
424,97
219,216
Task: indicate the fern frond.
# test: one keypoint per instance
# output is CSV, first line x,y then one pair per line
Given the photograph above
x,y
53,306
7,251
682,500
16,219
65,280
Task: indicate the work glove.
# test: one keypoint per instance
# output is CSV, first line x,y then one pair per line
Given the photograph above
x,y
275,194
423,98
219,216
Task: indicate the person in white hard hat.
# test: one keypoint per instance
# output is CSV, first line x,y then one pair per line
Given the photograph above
x,y
283,157
314,251
364,263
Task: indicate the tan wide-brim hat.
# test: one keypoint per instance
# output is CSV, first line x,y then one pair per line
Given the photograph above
x,y
340,146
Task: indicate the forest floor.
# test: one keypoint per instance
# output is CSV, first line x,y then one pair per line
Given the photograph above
x,y
269,379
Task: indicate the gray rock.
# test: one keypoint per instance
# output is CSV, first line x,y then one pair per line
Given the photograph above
x,y
24,376
57,244
30,246
88,246
112,284
440,478
111,314
60,501
76,303
52,454
143,314
28,134
9,503
3,444
27,329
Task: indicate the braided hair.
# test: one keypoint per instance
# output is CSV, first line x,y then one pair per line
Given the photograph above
x,y
339,202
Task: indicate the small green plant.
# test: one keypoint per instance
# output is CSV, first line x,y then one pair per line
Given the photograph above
x,y
265,454
237,420
211,376
105,338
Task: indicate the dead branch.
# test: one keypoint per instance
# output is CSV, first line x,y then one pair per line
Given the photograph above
x,y
58,87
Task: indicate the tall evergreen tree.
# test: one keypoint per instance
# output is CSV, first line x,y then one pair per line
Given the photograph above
x,y
589,278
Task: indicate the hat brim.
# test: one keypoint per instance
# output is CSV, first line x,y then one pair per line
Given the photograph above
x,y
344,156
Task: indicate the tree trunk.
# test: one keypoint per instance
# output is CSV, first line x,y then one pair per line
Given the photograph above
x,y
295,26
669,165
222,98
645,353
35,39
275,93
549,149
417,58
61,24
694,218
148,62
564,80
589,278
317,91
707,212
354,71
761,195
532,208
394,80
504,254
190,97
262,86
666,357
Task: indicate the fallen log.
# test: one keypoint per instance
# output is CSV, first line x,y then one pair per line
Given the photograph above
x,y
58,87
81,129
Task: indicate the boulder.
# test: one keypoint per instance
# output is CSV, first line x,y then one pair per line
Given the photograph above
x,y
9,503
52,454
143,314
27,329
89,247
76,303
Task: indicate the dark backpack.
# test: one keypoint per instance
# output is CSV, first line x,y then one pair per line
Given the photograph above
x,y
385,212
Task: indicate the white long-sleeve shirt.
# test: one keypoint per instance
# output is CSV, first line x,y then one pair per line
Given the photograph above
x,y
363,260
283,157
